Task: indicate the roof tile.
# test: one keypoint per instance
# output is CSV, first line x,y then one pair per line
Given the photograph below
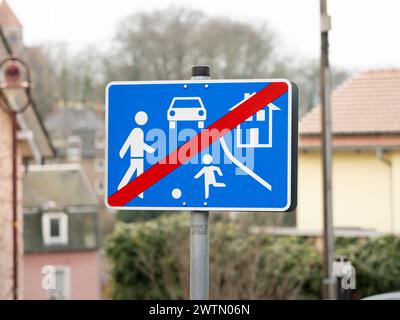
x,y
366,103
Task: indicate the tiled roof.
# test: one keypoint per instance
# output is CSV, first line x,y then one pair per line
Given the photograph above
x,y
82,122
68,120
64,184
82,233
368,103
7,16
59,188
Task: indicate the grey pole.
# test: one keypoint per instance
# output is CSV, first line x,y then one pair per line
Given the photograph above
x,y
328,283
199,255
199,231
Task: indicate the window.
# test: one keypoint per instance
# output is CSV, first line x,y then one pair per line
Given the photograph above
x,y
62,283
99,164
74,148
55,228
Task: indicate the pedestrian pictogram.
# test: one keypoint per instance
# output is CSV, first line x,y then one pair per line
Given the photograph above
x,y
135,142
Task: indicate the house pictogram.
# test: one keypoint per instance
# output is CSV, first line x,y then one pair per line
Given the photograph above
x,y
256,131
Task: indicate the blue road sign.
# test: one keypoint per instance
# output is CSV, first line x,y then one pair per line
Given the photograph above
x,y
201,145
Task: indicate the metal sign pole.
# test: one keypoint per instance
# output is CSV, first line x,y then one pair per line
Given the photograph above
x,y
199,241
199,255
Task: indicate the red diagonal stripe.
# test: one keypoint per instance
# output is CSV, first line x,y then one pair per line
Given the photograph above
x,y
198,143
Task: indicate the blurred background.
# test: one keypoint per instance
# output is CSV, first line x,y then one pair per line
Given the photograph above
x,y
62,243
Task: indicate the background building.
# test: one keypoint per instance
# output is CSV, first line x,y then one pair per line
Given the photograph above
x,y
60,234
33,145
366,156
77,133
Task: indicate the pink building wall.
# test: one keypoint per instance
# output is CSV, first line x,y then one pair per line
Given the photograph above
x,y
6,242
84,268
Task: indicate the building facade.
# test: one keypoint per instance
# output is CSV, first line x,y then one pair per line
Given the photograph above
x,y
61,259
33,145
77,133
366,157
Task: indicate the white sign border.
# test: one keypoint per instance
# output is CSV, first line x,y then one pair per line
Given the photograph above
x,y
205,208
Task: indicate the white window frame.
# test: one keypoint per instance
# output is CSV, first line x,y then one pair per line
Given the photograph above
x,y
99,164
67,282
62,239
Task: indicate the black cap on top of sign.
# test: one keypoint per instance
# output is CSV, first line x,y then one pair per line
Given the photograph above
x,y
201,71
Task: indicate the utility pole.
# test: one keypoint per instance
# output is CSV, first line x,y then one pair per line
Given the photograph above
x,y
199,239
328,282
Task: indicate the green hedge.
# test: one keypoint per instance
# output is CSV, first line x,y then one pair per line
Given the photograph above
x,y
377,264
150,260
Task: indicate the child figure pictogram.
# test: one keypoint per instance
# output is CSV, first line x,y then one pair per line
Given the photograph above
x,y
208,171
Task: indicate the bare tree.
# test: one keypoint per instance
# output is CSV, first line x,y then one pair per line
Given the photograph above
x,y
163,44
305,73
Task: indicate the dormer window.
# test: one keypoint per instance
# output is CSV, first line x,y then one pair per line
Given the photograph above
x,y
55,228
74,148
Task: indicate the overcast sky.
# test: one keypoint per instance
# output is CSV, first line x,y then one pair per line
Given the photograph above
x,y
365,33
